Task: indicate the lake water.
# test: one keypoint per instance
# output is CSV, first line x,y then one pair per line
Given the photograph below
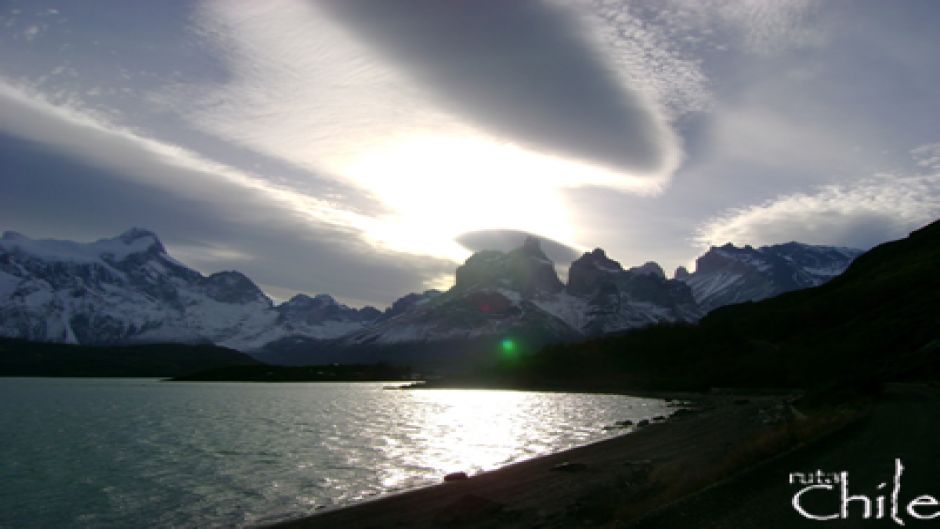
x,y
145,453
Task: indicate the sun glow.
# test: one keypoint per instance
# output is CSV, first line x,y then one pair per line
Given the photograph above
x,y
438,187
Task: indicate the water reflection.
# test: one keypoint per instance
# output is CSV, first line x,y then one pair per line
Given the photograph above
x,y
112,453
443,431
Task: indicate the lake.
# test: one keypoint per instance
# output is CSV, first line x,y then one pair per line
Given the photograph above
x,y
146,453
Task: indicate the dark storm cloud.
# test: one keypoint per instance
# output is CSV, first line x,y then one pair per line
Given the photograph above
x,y
506,240
519,69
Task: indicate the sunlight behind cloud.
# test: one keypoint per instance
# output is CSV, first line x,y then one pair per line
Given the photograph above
x,y
317,97
442,186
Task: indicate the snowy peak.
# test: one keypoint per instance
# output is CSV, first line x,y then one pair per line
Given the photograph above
x,y
135,241
824,262
619,299
141,238
322,308
233,287
126,289
499,294
729,274
409,301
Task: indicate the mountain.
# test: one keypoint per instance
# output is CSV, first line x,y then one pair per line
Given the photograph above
x,y
515,296
127,289
495,294
728,274
876,321
614,299
518,292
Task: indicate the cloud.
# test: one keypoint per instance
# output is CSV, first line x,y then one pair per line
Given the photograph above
x,y
79,131
927,155
648,52
521,70
761,27
769,26
860,214
506,240
766,139
31,32
74,171
459,137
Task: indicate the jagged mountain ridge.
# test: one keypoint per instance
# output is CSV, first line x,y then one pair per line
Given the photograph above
x,y
495,293
728,274
513,295
129,290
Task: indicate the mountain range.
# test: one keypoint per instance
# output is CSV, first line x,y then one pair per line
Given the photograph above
x,y
727,275
129,290
877,321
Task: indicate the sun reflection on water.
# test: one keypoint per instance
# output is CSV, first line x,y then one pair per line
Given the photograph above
x,y
473,431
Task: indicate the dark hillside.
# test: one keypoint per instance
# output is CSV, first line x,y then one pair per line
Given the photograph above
x,y
31,359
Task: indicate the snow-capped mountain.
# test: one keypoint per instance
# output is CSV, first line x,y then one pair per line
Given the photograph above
x,y
494,295
128,290
503,294
616,299
729,274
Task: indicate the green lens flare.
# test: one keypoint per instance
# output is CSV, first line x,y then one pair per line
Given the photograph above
x,y
509,347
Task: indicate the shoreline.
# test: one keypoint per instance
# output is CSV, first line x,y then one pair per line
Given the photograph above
x,y
614,479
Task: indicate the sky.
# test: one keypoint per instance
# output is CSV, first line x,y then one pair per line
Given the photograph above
x,y
365,148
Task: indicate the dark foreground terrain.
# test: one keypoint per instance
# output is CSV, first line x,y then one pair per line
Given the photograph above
x,y
19,358
903,424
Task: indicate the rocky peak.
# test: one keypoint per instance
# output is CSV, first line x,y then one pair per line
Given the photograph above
x,y
369,313
409,301
532,246
681,273
307,302
723,257
590,270
526,270
142,237
315,309
649,268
